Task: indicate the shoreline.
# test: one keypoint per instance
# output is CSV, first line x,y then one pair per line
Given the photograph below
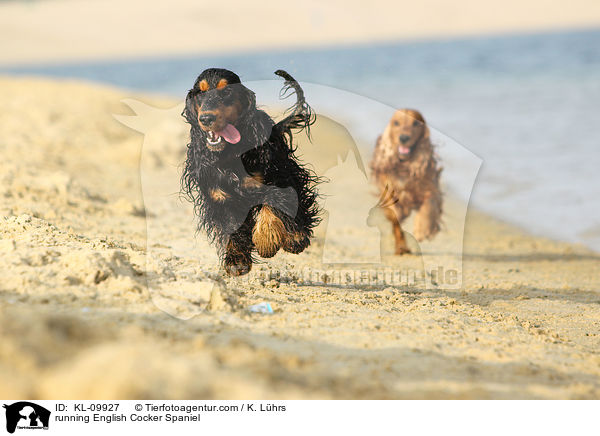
x,y
10,66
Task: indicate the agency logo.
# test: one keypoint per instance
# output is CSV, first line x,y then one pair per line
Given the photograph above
x,y
25,415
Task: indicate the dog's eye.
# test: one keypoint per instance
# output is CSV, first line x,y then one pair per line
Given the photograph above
x,y
416,123
396,123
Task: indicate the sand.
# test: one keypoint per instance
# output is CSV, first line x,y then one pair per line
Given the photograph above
x,y
41,32
95,290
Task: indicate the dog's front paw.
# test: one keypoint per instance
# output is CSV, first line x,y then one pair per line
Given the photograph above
x,y
237,262
296,242
237,265
420,235
268,233
402,250
237,269
425,231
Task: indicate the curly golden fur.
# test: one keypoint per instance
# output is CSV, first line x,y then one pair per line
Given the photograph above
x,y
406,171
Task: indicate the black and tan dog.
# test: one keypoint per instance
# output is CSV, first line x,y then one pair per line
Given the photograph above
x,y
250,192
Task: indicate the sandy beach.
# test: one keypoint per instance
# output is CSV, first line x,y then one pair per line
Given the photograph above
x,y
54,31
96,286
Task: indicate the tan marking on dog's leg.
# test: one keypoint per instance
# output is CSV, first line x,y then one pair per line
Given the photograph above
x,y
268,233
218,195
253,181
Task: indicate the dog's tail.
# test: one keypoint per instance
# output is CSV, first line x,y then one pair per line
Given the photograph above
x,y
300,115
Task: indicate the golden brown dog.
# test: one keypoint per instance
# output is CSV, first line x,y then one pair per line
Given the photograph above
x,y
407,174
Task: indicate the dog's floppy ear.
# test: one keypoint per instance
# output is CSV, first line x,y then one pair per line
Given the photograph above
x,y
248,96
190,112
423,156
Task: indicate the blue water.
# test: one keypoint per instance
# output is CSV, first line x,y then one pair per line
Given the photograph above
x,y
528,105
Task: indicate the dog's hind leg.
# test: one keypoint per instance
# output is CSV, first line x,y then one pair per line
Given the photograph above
x,y
298,230
428,217
268,233
296,241
292,238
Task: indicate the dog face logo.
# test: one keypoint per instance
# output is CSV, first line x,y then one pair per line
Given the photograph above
x,y
26,415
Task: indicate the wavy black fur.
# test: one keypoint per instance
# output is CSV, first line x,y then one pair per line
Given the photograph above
x,y
265,149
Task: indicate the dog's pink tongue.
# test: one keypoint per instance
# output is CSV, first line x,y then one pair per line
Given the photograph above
x,y
403,150
230,134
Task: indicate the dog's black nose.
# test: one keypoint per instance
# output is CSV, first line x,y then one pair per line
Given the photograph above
x,y
404,138
207,119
